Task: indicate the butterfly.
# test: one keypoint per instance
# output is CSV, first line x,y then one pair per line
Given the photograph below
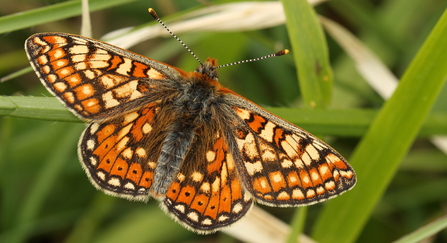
x,y
206,153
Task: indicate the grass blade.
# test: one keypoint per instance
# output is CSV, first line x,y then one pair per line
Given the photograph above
x,y
388,140
310,52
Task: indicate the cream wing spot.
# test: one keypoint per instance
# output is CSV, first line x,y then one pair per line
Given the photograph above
x,y
283,196
223,218
292,178
286,163
306,179
130,117
78,58
216,185
180,208
154,74
306,159
152,165
108,81
330,185
205,187
129,186
109,101
276,176
114,182
127,153
252,168
93,128
315,176
313,153
147,128
297,194
39,41
207,221
91,144
320,190
64,72
122,143
58,53
269,155
237,208
80,66
60,87
79,49
310,193
193,216
124,131
267,133
101,175
89,74
51,78
181,177
125,67
210,156
93,161
197,176
60,63
346,174
324,170
243,114
46,69
43,59
87,90
141,152
264,183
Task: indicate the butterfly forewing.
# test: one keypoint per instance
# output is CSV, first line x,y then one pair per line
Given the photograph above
x,y
284,165
93,79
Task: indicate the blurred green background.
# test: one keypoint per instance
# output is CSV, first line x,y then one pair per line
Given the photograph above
x,y
46,197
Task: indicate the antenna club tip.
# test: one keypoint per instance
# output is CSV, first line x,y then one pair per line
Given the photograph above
x,y
153,13
282,52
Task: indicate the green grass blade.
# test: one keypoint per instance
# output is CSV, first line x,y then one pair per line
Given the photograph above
x,y
388,140
424,232
310,52
35,107
52,13
348,122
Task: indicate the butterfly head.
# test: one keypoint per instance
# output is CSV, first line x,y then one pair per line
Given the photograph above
x,y
209,68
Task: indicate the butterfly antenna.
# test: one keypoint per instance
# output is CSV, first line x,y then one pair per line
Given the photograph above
x,y
279,53
155,16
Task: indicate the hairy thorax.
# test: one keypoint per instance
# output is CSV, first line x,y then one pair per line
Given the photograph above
x,y
196,99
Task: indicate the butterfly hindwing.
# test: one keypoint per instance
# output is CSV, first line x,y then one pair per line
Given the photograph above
x,y
96,80
116,155
284,165
208,194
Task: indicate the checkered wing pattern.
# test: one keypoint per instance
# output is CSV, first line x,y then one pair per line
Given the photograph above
x,y
95,80
284,165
